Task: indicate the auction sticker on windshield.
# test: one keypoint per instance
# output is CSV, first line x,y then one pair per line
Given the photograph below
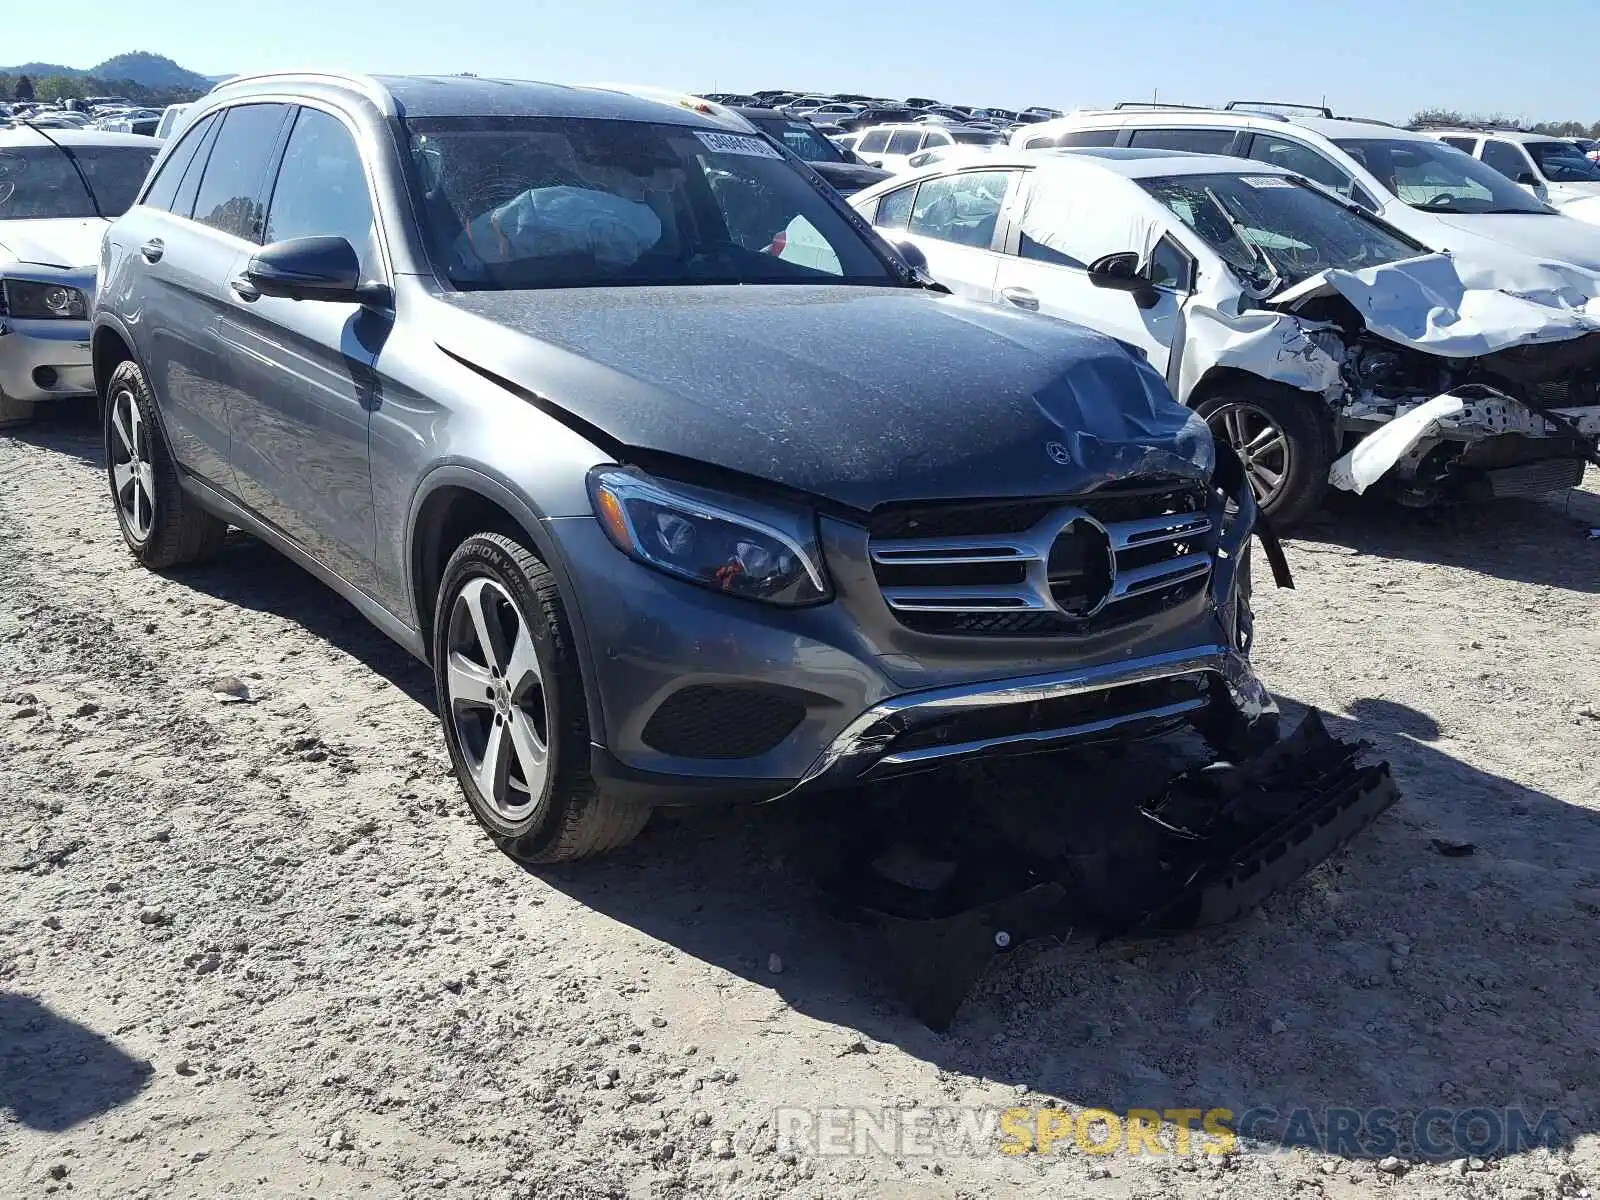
x,y
732,143
1265,181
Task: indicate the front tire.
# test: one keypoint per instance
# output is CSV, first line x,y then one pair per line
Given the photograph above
x,y
161,524
512,705
1282,437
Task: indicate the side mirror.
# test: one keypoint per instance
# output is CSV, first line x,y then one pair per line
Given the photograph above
x,y
912,253
1120,273
309,268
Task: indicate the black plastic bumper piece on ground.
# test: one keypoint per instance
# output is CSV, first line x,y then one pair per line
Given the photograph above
x,y
1214,843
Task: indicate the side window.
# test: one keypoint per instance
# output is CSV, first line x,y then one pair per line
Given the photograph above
x,y
1086,137
183,202
230,191
1302,160
1196,141
963,209
1469,144
904,141
894,210
322,190
1505,158
874,142
1171,266
937,138
163,188
1038,143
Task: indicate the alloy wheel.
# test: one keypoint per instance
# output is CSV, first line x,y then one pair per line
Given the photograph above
x,y
132,475
496,699
1261,444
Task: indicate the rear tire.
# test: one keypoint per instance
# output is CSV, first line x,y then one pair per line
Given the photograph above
x,y
162,525
512,705
1280,433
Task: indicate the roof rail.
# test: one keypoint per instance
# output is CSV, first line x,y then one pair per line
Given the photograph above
x,y
1163,104
365,84
1478,126
1368,121
1267,106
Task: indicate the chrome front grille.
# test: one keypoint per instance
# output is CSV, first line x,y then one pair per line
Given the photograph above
x,y
1045,567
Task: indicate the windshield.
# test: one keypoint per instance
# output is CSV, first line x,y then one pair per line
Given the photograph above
x,y
38,182
569,202
801,138
1562,162
1273,230
1436,177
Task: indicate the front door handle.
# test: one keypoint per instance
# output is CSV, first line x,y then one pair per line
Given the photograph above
x,y
153,250
1021,297
244,289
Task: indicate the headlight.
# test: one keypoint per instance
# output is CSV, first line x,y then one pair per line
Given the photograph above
x,y
743,548
44,300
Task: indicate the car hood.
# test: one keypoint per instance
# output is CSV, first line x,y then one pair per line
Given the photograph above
x,y
861,395
1459,306
1546,236
67,242
848,178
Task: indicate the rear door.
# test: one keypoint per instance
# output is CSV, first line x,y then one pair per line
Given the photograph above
x,y
954,219
190,254
304,369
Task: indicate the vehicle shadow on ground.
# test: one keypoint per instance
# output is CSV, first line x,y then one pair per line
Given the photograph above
x,y
55,1073
1543,541
66,427
1338,996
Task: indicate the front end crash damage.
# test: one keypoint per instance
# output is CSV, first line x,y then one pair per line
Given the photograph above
x,y
1516,343
1141,829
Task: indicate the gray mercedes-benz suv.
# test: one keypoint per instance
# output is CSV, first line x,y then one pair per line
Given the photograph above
x,y
686,484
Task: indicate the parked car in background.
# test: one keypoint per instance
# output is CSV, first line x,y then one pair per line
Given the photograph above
x,y
143,121
1296,323
567,461
1438,194
171,118
847,173
891,146
876,114
1551,169
835,112
56,199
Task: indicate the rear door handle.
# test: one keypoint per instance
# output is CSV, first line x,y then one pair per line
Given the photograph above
x,y
1021,297
153,250
244,289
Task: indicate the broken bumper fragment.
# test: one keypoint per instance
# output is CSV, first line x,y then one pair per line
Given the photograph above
x,y
1205,846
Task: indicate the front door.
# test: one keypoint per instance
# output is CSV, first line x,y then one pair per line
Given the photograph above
x,y
306,368
953,220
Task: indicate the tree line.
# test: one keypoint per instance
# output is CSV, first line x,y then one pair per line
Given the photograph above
x,y
56,88
1566,129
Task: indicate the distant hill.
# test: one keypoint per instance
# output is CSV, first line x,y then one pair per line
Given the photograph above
x,y
147,70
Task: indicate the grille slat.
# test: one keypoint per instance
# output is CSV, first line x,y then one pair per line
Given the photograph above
x,y
1087,563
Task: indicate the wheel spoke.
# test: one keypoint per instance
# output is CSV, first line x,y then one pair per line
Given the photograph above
x,y
136,429
530,751
1264,437
1270,479
119,424
522,670
122,476
1234,423
479,597
468,683
493,771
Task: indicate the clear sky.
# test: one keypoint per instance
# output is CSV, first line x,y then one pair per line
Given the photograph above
x,y
1382,58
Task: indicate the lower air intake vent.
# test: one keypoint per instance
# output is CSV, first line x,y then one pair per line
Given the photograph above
x,y
705,721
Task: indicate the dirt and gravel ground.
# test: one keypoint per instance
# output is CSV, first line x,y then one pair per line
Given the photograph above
x,y
259,948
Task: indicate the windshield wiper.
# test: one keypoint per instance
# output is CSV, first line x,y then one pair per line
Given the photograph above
x,y
1259,253
73,159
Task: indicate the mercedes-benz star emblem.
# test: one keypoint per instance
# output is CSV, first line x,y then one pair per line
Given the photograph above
x,y
1058,453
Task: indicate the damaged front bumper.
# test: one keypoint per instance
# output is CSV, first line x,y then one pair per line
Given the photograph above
x,y
1487,444
946,896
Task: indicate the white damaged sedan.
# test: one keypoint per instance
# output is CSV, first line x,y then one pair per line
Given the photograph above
x,y
59,189
1295,321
